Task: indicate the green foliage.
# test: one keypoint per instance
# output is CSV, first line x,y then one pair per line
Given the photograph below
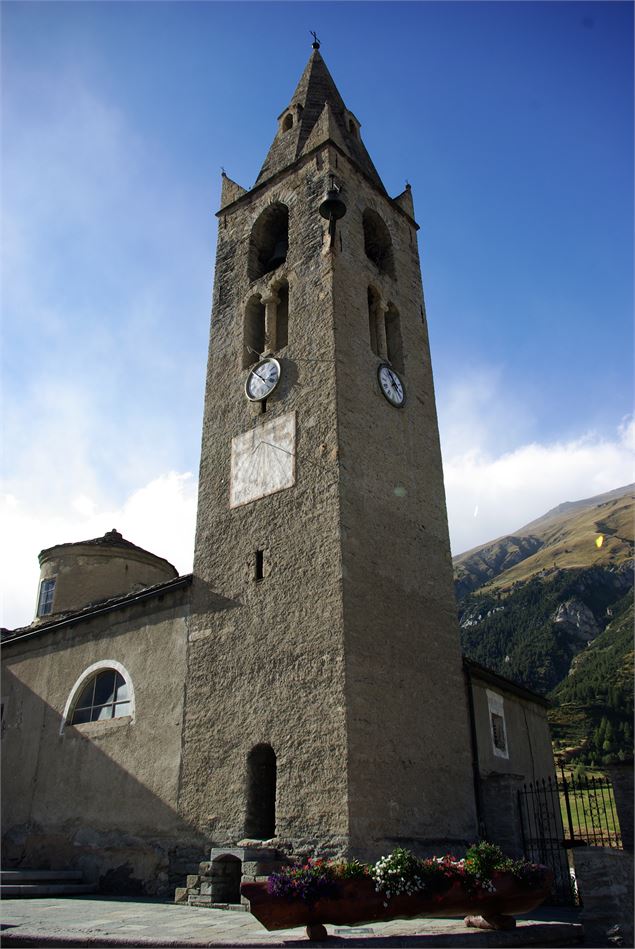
x,y
515,634
599,694
350,869
484,858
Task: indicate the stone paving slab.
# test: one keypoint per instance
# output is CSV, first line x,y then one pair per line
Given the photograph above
x,y
96,922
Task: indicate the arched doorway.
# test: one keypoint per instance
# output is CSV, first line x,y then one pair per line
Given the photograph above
x,y
260,819
225,879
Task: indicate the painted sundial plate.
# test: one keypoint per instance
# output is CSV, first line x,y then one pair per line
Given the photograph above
x,y
263,460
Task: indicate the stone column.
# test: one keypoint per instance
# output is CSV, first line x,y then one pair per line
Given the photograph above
x,y
380,323
621,776
605,881
271,321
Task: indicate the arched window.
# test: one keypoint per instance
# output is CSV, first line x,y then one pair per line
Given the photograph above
x,y
260,819
103,691
394,343
287,122
269,241
254,331
377,242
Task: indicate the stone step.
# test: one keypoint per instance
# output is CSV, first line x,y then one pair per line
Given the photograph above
x,y
40,876
45,889
201,901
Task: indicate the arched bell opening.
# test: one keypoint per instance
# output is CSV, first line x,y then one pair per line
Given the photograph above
x,y
225,879
269,241
260,819
377,242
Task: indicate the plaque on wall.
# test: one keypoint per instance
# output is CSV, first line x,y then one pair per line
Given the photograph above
x,y
263,460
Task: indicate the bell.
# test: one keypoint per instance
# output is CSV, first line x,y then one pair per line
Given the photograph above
x,y
279,254
332,208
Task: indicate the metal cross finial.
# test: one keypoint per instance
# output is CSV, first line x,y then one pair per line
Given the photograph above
x,y
316,43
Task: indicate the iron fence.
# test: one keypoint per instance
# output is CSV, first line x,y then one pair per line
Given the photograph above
x,y
559,815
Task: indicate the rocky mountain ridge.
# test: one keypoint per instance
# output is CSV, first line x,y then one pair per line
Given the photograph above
x,y
534,603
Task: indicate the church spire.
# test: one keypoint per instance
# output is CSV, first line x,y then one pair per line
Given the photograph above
x,y
315,114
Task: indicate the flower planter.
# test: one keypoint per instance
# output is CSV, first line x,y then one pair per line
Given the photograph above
x,y
356,901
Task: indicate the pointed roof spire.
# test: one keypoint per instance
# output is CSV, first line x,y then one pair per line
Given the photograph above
x,y
315,90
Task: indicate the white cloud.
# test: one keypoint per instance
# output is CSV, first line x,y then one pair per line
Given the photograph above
x,y
159,517
492,491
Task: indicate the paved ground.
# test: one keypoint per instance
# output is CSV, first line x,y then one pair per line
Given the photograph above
x,y
90,921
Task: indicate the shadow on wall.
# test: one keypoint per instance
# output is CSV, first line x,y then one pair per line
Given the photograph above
x,y
67,805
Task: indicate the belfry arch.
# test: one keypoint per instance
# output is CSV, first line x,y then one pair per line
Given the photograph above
x,y
378,242
269,241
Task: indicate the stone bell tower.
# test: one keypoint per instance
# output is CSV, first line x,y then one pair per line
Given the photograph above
x,y
325,702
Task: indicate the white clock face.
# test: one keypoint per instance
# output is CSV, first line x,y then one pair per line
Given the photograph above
x,y
262,379
263,460
391,385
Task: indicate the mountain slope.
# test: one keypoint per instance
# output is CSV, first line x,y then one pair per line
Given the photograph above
x,y
550,606
564,538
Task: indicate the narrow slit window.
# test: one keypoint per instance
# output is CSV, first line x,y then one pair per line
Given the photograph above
x,y
45,599
260,565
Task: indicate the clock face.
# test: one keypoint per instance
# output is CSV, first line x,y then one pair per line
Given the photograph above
x,y
263,460
391,385
262,379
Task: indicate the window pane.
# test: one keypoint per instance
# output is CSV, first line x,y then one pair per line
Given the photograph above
x,y
86,698
105,687
122,688
101,712
47,588
80,715
121,709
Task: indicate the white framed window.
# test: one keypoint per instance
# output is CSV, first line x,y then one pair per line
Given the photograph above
x,y
497,726
45,598
103,692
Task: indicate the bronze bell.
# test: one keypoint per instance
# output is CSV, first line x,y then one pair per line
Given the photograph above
x,y
332,208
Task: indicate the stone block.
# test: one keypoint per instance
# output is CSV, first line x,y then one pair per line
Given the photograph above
x,y
181,894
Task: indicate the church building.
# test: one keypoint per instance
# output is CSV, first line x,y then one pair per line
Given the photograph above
x,y
303,690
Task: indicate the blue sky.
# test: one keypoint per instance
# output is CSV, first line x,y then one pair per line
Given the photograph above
x,y
513,124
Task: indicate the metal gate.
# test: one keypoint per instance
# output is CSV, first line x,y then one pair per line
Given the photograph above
x,y
557,816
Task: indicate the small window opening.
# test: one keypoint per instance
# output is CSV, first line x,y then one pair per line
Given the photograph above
x,y
377,242
263,406
352,127
254,332
394,343
287,122
269,241
260,819
259,572
498,732
45,600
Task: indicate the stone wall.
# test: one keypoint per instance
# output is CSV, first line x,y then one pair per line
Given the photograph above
x,y
101,796
605,883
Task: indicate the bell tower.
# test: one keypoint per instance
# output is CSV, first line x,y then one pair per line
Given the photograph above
x,y
325,702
